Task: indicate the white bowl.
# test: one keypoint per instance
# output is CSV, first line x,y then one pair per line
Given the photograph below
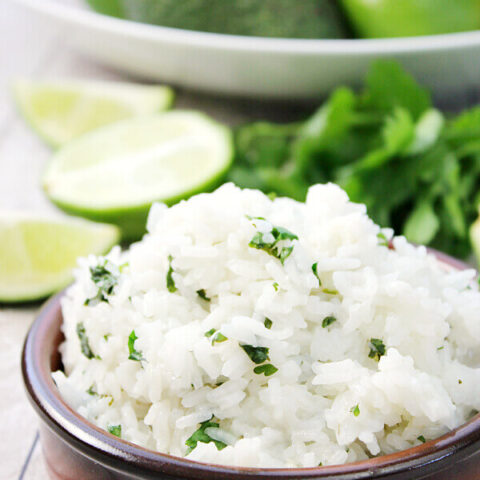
x,y
260,67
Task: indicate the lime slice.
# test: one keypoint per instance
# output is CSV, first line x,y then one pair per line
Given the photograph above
x,y
115,173
475,238
37,255
60,112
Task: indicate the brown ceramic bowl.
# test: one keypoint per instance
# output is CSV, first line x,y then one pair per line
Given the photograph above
x,y
75,449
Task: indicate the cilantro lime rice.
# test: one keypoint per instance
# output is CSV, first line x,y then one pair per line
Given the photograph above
x,y
271,333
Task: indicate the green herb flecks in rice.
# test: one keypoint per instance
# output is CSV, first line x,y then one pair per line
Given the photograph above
x,y
134,354
201,436
203,295
171,287
355,410
377,349
271,247
257,354
330,291
328,321
268,323
84,343
215,337
91,391
315,272
115,430
275,286
105,278
421,438
267,369
383,240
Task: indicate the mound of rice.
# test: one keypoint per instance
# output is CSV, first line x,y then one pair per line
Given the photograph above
x,y
246,331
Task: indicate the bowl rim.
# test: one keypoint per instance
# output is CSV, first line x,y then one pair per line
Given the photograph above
x,y
90,19
108,450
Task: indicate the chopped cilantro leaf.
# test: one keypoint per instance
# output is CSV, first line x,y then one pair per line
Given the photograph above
x,y
91,391
105,278
315,272
382,240
271,247
84,345
115,430
328,321
133,354
257,354
171,287
267,369
355,410
217,338
268,323
203,295
285,252
255,218
107,336
275,286
330,291
377,349
280,233
201,436
421,438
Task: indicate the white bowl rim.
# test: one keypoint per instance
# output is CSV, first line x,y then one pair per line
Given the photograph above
x,y
216,41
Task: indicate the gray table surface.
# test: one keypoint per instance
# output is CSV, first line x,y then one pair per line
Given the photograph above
x,y
28,48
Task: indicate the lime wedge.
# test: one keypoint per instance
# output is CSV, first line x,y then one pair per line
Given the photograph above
x,y
37,255
60,112
475,238
114,174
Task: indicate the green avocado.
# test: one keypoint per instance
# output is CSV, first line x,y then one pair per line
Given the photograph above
x,y
265,18
405,18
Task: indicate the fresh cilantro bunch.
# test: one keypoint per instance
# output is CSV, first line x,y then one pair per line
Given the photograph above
x,y
417,170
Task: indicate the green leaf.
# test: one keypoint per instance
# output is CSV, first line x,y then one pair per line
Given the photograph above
x,y
257,354
377,349
328,321
389,86
115,430
171,287
355,410
427,132
105,278
203,295
267,369
216,337
210,332
264,144
200,436
422,224
84,345
133,354
315,272
91,391
421,438
383,240
328,126
271,247
268,323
